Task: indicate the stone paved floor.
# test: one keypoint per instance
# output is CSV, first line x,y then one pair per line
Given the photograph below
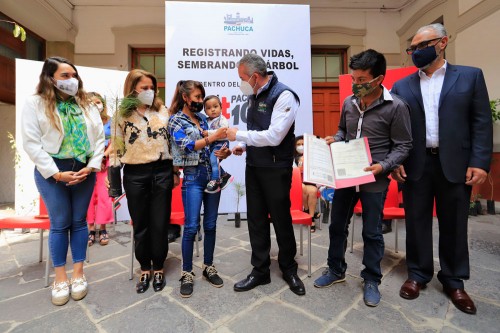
x,y
113,306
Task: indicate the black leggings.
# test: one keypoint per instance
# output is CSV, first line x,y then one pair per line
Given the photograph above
x,y
149,196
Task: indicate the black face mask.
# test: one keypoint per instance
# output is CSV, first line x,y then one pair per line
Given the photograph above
x,y
196,106
424,57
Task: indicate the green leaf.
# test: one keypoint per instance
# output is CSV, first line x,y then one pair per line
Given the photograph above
x,y
17,30
23,34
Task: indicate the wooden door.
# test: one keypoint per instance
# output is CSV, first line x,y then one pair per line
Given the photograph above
x,y
326,108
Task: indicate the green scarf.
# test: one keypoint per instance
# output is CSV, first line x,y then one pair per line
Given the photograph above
x,y
75,143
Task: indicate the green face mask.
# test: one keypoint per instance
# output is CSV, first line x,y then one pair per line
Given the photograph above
x,y
363,89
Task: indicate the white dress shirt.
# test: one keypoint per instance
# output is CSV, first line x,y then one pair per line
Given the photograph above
x,y
284,113
431,91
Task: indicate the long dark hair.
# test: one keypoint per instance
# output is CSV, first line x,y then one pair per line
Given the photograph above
x,y
184,87
296,156
47,91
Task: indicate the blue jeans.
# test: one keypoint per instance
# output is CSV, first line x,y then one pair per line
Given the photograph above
x,y
194,183
343,204
214,160
67,207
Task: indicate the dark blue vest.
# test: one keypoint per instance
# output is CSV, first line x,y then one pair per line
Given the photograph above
x,y
259,112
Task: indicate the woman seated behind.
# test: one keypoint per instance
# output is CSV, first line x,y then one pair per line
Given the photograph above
x,y
309,190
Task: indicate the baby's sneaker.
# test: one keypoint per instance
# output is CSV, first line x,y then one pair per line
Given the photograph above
x,y
226,180
213,186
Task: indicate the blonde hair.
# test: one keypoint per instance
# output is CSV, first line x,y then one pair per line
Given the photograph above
x,y
133,78
104,113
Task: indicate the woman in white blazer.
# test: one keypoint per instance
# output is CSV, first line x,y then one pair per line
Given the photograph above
x,y
63,135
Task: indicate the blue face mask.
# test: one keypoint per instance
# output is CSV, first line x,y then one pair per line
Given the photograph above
x,y
424,57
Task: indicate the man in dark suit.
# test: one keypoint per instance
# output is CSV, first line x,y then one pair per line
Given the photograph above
x,y
452,146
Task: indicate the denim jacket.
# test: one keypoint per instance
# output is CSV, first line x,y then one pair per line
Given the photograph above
x,y
183,135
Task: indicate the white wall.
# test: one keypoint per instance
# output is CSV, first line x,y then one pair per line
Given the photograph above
x,y
7,172
478,46
381,32
465,5
96,24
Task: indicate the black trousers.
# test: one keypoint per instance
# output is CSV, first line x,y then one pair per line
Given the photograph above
x,y
452,208
268,195
149,196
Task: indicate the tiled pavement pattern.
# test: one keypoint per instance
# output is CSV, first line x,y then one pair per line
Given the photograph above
x,y
113,306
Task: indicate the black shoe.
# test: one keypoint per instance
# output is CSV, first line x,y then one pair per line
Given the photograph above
x,y
295,283
158,281
386,228
226,179
187,284
200,235
143,283
251,282
173,236
210,273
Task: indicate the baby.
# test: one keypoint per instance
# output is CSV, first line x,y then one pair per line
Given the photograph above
x,y
219,180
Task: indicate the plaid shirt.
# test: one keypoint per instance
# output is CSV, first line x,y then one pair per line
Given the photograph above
x,y
183,135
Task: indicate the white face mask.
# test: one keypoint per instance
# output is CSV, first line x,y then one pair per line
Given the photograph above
x,y
300,149
69,86
100,107
246,88
146,97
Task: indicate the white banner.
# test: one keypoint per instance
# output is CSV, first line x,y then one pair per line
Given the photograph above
x,y
204,41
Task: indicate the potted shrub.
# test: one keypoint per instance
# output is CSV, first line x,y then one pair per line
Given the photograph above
x,y
490,203
239,189
475,207
472,207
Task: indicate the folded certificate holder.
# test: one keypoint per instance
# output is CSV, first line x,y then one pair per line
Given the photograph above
x,y
337,165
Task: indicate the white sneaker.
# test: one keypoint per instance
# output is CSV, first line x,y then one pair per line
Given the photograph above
x,y
79,288
60,293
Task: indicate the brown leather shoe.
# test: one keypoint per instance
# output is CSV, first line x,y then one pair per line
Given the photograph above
x,y
411,289
461,300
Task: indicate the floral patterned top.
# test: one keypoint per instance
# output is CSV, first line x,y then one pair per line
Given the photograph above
x,y
140,139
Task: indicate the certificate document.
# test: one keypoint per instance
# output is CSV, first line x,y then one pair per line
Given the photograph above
x,y
337,165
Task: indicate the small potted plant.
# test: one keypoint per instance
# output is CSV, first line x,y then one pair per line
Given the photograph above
x,y
475,207
239,189
490,204
495,116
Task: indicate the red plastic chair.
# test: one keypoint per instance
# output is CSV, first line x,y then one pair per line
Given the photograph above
x,y
392,211
40,221
357,210
177,213
298,216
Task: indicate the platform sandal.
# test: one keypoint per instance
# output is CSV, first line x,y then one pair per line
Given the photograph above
x,y
91,237
103,237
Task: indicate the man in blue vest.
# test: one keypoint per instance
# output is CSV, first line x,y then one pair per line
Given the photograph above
x,y
270,144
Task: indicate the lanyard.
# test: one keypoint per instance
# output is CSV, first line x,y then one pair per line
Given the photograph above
x,y
358,130
360,120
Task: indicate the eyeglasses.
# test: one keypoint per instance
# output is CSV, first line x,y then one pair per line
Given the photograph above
x,y
422,45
